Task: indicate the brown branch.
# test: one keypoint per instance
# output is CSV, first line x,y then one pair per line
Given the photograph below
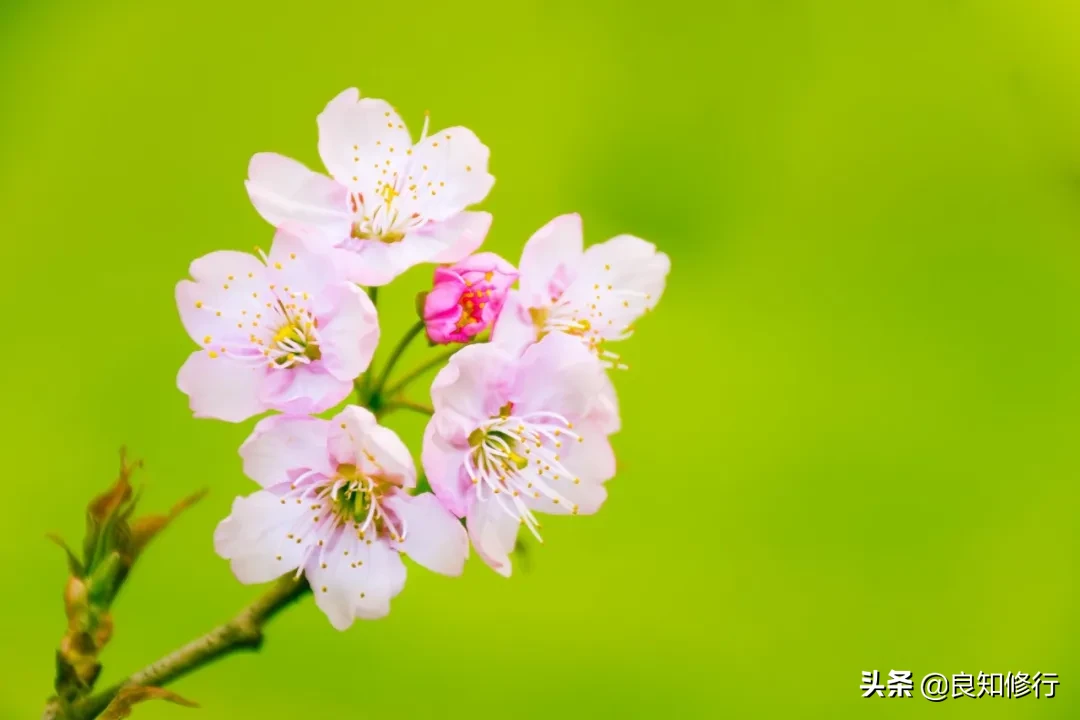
x,y
245,631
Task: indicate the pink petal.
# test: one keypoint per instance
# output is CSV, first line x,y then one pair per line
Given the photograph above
x,y
486,262
559,374
449,170
254,538
303,389
548,260
221,388
281,443
284,191
443,298
348,330
445,470
443,308
433,537
493,532
375,263
471,389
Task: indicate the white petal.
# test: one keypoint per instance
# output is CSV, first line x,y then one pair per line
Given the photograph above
x,y
461,234
433,537
284,191
355,580
220,388
392,459
586,497
590,462
213,303
592,457
208,311
254,538
292,265
514,329
493,532
356,438
620,280
550,259
281,443
362,142
604,412
446,174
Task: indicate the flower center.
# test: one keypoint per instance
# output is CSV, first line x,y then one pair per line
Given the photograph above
x,y
347,501
474,300
378,218
296,341
515,460
352,498
348,497
566,317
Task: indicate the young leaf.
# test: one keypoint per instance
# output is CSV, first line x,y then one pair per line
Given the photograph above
x,y
121,705
145,528
74,566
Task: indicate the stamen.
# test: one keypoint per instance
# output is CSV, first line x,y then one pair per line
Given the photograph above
x,y
497,465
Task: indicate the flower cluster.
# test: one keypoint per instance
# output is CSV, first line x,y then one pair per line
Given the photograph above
x,y
521,414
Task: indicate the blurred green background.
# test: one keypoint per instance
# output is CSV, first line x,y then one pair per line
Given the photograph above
x,y
850,428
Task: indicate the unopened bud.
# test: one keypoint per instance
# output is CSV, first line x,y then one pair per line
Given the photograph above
x,y
76,597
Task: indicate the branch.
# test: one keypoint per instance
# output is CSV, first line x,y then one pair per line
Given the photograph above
x,y
242,632
396,355
405,405
417,372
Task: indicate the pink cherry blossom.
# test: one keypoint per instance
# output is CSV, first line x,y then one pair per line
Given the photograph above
x,y
517,435
283,332
334,507
594,295
391,204
467,297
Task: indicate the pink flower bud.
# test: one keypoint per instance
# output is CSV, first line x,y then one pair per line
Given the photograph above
x,y
467,297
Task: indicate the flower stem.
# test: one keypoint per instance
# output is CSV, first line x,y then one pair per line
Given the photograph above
x,y
405,405
242,632
403,343
418,371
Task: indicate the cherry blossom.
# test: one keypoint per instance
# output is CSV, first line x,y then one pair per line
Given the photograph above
x,y
335,507
389,203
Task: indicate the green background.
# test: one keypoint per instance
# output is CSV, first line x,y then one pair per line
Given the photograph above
x,y
850,427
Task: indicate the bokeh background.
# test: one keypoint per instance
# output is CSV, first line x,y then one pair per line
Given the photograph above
x,y
851,427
